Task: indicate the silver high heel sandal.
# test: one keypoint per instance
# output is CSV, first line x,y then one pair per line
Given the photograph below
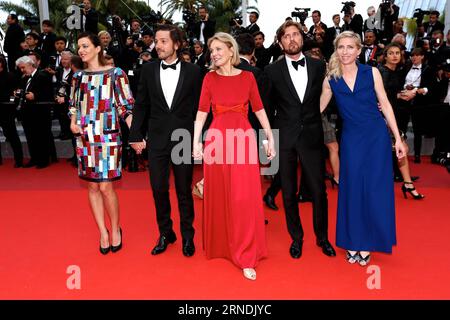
x,y
249,273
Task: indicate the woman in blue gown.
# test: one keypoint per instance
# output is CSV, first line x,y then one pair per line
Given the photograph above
x,y
366,212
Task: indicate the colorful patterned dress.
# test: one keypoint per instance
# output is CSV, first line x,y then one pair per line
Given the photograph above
x,y
97,105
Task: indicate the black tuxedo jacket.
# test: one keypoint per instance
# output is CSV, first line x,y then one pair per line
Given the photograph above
x,y
151,106
294,119
40,86
427,80
208,31
437,26
251,29
372,60
259,76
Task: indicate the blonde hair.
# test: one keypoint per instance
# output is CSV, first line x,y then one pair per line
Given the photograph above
x,y
230,43
104,33
334,65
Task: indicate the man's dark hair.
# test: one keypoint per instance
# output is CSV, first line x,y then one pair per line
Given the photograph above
x,y
48,23
33,35
37,55
61,38
417,52
335,15
435,13
246,44
257,33
256,14
203,7
175,34
318,12
14,17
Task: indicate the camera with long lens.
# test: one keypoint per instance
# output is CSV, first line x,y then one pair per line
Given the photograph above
x,y
301,14
63,89
419,14
152,18
348,7
31,21
232,21
19,98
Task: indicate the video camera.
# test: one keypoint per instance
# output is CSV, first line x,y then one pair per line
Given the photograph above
x,y
348,7
152,18
238,19
31,21
301,14
189,17
419,14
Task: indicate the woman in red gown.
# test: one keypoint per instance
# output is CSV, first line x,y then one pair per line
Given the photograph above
x,y
233,217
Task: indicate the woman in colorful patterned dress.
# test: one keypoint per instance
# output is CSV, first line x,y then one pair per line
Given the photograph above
x,y
100,94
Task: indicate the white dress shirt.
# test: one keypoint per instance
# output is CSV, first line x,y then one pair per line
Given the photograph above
x,y
447,98
169,80
299,77
413,77
202,26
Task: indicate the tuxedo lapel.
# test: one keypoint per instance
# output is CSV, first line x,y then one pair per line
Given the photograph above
x,y
158,84
287,78
310,71
179,85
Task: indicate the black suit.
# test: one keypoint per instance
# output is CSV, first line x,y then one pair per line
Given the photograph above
x,y
208,30
430,29
47,47
301,137
92,19
356,25
330,35
251,29
37,122
13,37
151,107
375,52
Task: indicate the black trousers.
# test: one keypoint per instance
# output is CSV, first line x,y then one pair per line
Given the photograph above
x,y
159,166
37,125
8,124
312,161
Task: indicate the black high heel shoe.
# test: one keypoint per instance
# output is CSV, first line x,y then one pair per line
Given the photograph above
x,y
363,261
105,250
405,189
118,247
352,258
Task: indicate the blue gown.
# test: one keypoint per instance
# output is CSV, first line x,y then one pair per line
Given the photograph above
x,y
366,212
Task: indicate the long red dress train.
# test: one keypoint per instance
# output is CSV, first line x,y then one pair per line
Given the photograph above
x,y
233,216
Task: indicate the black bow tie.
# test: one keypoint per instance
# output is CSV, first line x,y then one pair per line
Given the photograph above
x,y
172,66
300,62
416,68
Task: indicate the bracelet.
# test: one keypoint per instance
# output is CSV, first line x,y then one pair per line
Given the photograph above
x,y
265,141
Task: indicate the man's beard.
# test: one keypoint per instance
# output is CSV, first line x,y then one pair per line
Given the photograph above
x,y
293,51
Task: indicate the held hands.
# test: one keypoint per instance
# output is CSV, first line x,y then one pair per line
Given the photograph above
x,y
139,146
197,151
29,96
400,149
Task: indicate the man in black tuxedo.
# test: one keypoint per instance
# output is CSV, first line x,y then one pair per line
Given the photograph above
x,y
434,23
167,99
90,17
356,22
36,117
330,34
205,28
13,37
47,42
294,88
370,51
199,57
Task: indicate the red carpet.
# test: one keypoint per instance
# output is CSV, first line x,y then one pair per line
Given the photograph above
x,y
46,226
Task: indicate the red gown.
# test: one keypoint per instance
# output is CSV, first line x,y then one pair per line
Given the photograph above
x,y
233,217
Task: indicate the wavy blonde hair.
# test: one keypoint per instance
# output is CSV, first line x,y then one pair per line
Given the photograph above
x,y
230,43
334,65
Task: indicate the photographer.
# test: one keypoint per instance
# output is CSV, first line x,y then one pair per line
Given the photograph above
x,y
135,30
13,38
252,28
149,40
389,14
205,28
108,46
90,17
36,122
8,113
434,24
369,23
318,26
353,21
63,80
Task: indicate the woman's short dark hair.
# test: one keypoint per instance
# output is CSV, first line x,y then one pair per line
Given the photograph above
x,y
96,42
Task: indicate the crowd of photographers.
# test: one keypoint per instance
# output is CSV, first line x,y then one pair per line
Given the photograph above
x,y
39,67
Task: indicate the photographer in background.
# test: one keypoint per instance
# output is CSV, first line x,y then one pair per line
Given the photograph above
x,y
63,80
434,24
353,22
252,27
318,26
90,17
36,117
262,54
8,113
389,14
205,28
135,30
13,38
149,40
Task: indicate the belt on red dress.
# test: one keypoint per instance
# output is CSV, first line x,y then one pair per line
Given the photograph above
x,y
239,108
